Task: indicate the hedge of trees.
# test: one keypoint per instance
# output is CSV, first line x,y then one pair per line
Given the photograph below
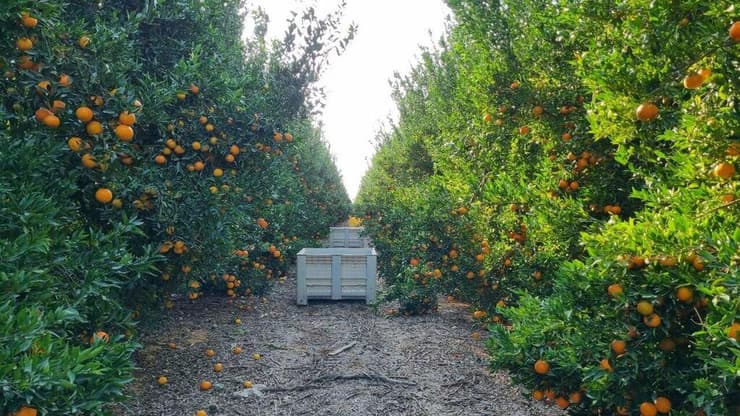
x,y
569,168
147,150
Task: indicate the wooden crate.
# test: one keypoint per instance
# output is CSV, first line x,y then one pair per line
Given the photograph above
x,y
347,237
336,273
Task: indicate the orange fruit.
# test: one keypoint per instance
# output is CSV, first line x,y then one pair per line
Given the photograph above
x,y
541,367
724,170
196,145
615,290
194,89
24,44
160,159
288,137
74,144
262,223
218,367
65,80
575,397
29,21
514,85
256,356
84,114
234,149
43,87
562,402
734,31
41,113
103,195
550,394
705,73
236,350
181,95
124,132
647,112
644,308
487,117
26,411
229,158
218,172
605,365
648,409
83,41
524,130
734,331
94,128
58,105
200,412
733,149
414,262
52,121
162,380
198,165
247,384
652,320
698,263
100,335
574,186
667,261
685,294
662,404
210,353
693,81
537,110
538,395
478,314
127,118
88,161
618,346
205,385
25,62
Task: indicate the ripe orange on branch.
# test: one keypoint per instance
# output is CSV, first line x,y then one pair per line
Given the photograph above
x,y
734,31
541,367
693,81
647,112
103,195
84,114
124,132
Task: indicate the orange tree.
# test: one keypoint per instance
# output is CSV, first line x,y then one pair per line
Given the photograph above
x,y
148,151
570,170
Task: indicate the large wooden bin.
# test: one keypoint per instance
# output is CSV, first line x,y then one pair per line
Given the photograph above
x,y
336,273
347,237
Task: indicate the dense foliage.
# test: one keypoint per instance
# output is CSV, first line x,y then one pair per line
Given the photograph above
x,y
569,168
146,151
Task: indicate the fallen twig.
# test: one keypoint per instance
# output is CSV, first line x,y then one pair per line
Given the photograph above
x,y
342,349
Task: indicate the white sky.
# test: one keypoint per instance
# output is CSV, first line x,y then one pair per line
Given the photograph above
x,y
358,98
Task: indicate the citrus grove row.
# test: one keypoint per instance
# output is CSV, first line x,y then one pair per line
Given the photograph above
x,y
149,155
569,168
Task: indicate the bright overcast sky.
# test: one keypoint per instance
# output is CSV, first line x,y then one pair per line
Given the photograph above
x,y
358,98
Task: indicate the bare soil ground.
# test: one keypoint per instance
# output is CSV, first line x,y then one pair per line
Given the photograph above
x,y
327,358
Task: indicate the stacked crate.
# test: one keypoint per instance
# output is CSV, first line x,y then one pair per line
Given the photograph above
x,y
345,270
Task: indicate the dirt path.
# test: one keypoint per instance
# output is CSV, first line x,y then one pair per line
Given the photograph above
x,y
328,358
